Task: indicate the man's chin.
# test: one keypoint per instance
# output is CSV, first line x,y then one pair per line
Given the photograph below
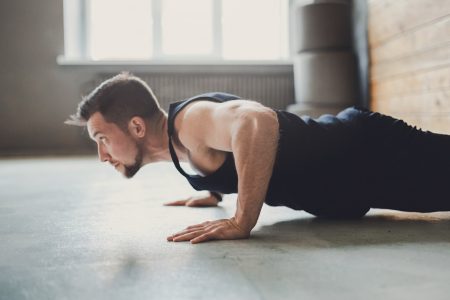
x,y
130,171
127,172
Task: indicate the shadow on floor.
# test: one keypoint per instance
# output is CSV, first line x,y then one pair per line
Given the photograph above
x,y
380,229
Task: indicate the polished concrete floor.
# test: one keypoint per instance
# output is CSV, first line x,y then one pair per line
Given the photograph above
x,y
72,228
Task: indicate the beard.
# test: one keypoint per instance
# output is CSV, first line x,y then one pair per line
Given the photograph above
x,y
131,170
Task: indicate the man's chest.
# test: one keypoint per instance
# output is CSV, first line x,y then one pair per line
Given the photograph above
x,y
206,161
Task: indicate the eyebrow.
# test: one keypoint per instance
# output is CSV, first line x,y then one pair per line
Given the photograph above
x,y
95,133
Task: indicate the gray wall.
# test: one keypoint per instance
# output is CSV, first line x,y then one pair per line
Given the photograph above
x,y
37,95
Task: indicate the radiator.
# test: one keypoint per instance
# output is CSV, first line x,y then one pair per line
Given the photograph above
x,y
273,90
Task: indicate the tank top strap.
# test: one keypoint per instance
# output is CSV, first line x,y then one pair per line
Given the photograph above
x,y
176,107
176,161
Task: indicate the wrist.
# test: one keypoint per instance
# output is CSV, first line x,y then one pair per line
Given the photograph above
x,y
216,195
243,223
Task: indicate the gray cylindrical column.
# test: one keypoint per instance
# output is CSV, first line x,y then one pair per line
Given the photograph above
x,y
325,77
325,68
322,25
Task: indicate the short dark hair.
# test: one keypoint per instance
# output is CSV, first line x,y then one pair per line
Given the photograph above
x,y
119,99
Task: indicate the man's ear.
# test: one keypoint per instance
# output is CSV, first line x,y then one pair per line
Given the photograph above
x,y
136,127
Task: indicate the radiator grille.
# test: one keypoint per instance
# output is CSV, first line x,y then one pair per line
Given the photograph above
x,y
273,90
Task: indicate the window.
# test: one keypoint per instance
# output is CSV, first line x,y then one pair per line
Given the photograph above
x,y
119,29
173,30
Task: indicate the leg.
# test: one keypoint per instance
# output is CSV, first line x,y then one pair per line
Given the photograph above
x,y
410,168
329,181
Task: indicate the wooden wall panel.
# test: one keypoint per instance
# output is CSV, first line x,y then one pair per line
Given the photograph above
x,y
414,63
414,83
435,102
389,18
420,40
409,45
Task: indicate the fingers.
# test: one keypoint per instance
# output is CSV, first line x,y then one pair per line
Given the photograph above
x,y
181,233
202,238
199,225
192,232
194,202
188,236
219,229
176,203
210,235
202,202
199,236
193,228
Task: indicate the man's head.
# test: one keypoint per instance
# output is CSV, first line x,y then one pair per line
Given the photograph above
x,y
119,114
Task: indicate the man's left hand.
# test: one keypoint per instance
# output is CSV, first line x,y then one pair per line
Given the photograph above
x,y
224,229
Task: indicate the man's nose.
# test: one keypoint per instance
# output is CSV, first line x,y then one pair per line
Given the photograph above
x,y
103,154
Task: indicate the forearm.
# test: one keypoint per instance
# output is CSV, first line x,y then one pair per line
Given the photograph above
x,y
254,147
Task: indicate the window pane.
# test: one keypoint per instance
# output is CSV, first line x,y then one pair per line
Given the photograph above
x,y
187,27
254,29
120,29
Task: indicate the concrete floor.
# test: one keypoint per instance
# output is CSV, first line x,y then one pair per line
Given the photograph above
x,y
75,229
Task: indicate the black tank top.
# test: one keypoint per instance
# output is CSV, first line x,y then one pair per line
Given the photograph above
x,y
310,152
224,179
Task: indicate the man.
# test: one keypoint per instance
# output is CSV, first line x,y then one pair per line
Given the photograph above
x,y
334,166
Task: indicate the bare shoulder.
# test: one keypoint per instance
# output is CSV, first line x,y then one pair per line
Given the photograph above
x,y
212,122
209,111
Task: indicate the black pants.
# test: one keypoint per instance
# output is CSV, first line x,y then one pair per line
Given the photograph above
x,y
397,166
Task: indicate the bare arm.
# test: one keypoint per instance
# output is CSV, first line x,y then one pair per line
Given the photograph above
x,y
254,144
250,131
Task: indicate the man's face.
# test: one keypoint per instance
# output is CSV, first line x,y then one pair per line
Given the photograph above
x,y
115,146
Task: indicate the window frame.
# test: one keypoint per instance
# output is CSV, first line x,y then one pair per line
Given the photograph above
x,y
76,41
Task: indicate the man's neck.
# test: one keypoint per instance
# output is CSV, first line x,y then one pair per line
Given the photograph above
x,y
157,147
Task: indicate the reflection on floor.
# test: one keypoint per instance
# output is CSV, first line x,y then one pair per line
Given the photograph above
x,y
74,229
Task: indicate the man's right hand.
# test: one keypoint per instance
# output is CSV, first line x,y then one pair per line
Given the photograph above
x,y
195,201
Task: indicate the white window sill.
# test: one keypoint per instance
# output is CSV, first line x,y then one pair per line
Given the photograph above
x,y
179,65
